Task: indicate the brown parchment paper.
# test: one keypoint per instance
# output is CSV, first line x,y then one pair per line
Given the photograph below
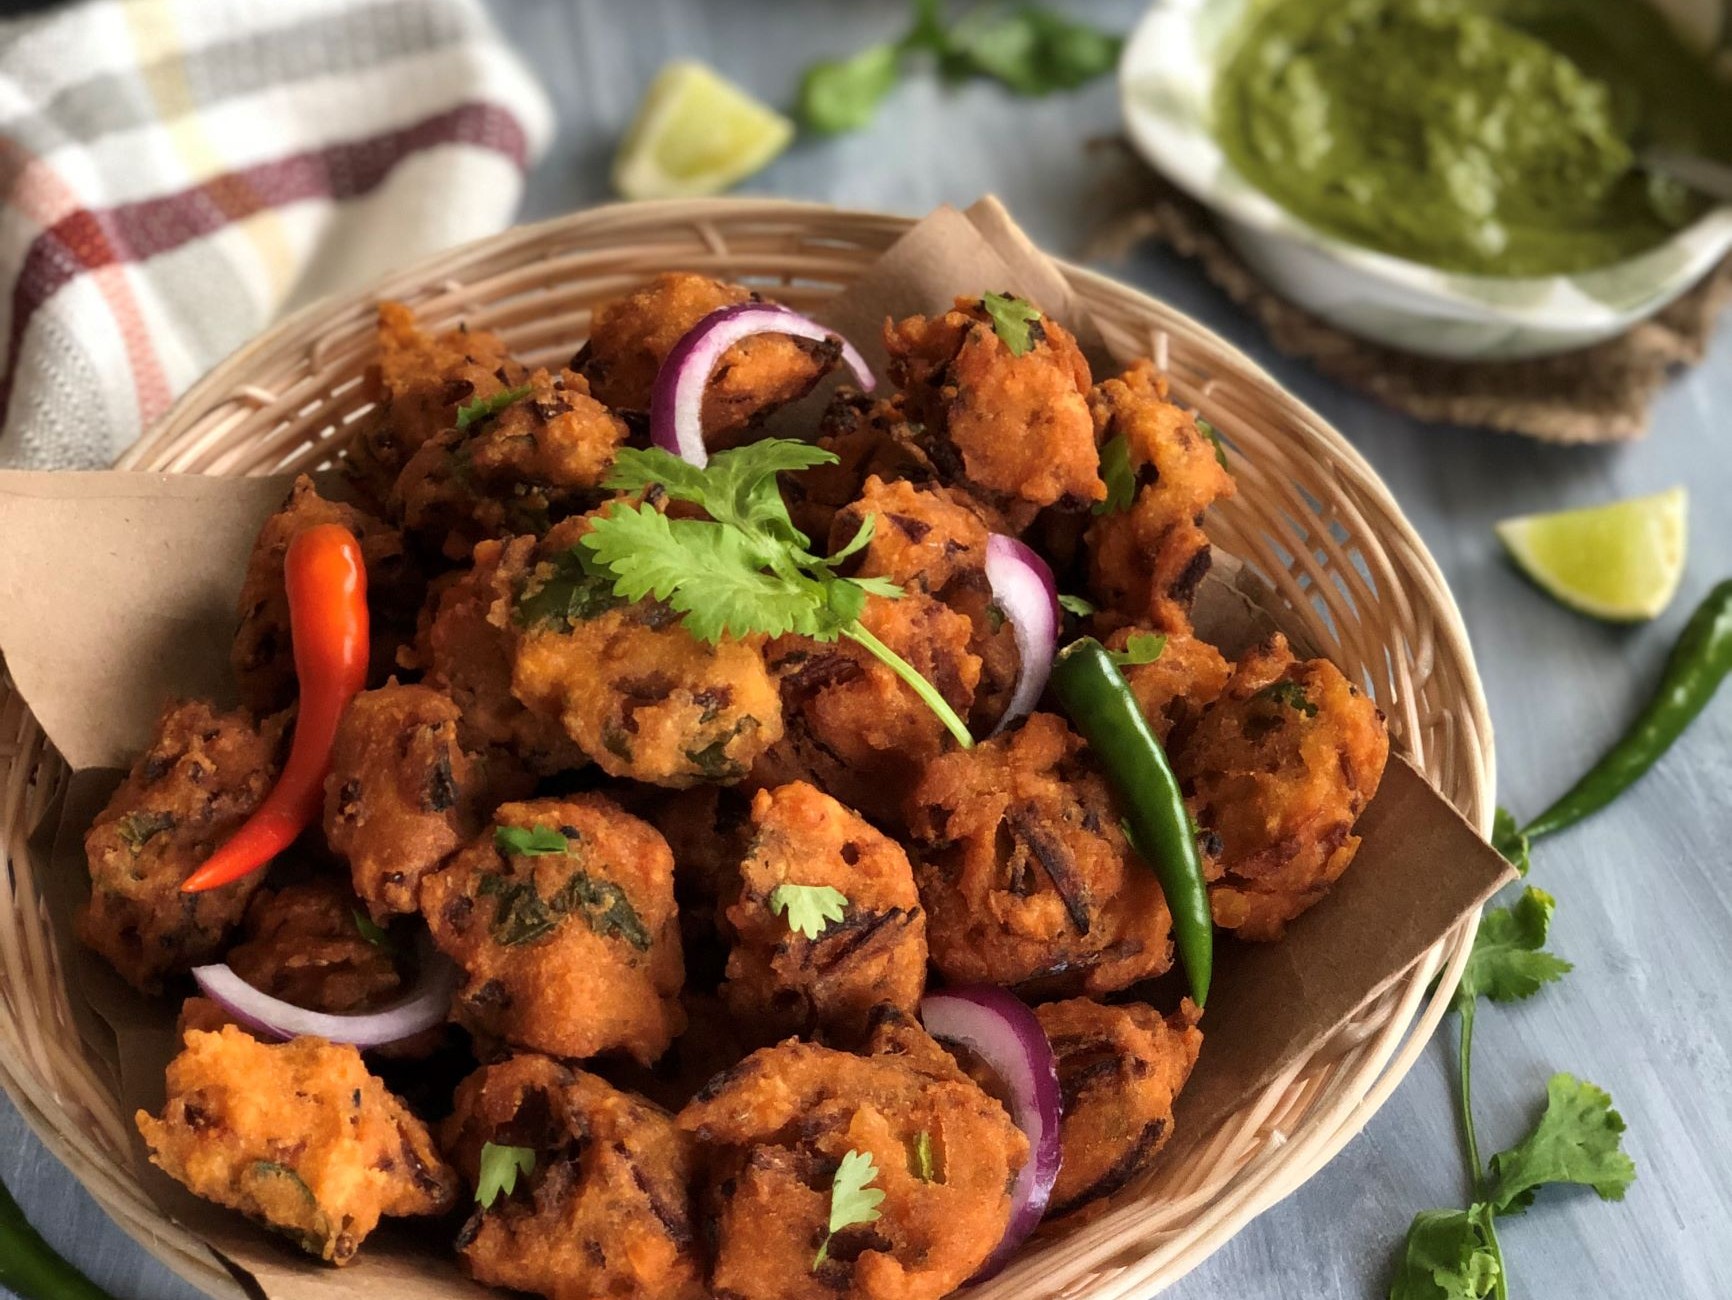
x,y
117,591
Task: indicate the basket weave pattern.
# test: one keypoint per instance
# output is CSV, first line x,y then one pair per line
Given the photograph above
x,y
1310,517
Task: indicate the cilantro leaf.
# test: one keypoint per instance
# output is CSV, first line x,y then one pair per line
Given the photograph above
x,y
1507,839
534,842
810,908
1508,962
1577,1140
1140,648
1213,434
1120,479
373,932
1012,320
1076,605
1033,51
737,487
1449,1255
839,95
1291,693
852,1200
500,1166
485,408
567,591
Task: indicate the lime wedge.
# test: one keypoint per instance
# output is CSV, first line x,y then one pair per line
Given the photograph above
x,y
696,134
1619,562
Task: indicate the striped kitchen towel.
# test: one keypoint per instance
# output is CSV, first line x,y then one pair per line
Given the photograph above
x,y
177,173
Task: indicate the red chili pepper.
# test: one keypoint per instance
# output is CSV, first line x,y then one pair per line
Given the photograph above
x,y
327,586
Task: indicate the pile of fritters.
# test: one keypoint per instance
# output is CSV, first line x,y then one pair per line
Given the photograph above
x,y
636,1006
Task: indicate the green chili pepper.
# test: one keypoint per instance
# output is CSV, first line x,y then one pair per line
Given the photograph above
x,y
29,1266
1700,662
1094,693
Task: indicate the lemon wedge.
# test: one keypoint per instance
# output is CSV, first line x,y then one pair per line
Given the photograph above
x,y
1620,562
696,133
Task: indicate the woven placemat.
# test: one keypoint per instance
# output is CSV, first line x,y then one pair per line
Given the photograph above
x,y
1600,394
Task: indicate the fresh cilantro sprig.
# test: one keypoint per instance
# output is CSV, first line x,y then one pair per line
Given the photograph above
x,y
1117,474
1077,605
1507,839
530,842
485,408
1140,648
811,909
745,569
852,1200
500,1166
1012,319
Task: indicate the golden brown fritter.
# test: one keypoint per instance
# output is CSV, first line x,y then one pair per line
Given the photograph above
x,y
573,953
629,338
606,1210
418,383
853,728
298,1135
263,655
1119,1069
402,793
775,1129
707,827
202,776
869,436
1015,430
1279,769
1177,686
304,945
782,981
539,460
1025,871
1146,562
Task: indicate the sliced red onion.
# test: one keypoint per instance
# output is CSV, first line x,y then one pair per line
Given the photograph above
x,y
425,1005
998,1027
677,400
1023,587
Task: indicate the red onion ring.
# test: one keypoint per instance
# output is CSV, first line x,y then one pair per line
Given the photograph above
x,y
1023,587
677,399
1000,1029
425,1005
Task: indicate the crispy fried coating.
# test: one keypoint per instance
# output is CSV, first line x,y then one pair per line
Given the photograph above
x,y
1119,1069
402,793
606,1210
707,827
262,655
631,336
417,384
304,945
1146,562
775,1129
1279,769
201,777
853,728
1014,430
1176,687
574,953
1025,871
298,1135
869,436
540,460
781,981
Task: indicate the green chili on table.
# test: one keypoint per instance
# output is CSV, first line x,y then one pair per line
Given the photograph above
x,y
1700,661
1095,695
29,1266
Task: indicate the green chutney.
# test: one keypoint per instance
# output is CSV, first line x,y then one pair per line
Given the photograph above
x,y
1491,137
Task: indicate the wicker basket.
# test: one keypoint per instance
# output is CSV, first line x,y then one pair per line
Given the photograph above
x,y
1310,517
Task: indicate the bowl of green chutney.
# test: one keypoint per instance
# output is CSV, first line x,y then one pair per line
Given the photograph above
x,y
1457,178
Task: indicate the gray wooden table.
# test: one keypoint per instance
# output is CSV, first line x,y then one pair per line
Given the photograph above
x,y
1644,899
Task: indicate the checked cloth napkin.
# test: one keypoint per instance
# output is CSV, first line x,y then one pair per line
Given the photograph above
x,y
178,173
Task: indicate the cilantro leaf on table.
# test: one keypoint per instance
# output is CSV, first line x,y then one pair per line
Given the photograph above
x,y
852,1200
1032,50
485,408
810,908
1140,648
1507,839
840,95
1579,1140
1448,1255
530,842
1120,479
500,1166
1076,605
1508,961
1013,320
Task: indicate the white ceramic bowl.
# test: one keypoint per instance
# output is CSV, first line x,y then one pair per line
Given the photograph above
x,y
1167,82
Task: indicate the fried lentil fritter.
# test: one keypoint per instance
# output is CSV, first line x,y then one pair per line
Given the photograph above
x,y
572,953
1279,768
606,1210
774,1130
297,1135
1014,430
870,437
1025,871
201,778
630,336
1177,686
303,944
1146,562
782,981
1119,1068
263,654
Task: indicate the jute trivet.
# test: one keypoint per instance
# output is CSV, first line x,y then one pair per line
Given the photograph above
x,y
1600,394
